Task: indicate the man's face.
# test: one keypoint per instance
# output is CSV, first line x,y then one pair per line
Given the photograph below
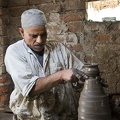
x,y
35,37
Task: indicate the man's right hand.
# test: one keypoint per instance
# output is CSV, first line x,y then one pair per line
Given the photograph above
x,y
73,75
79,74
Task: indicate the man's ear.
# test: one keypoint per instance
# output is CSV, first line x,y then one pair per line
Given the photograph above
x,y
21,31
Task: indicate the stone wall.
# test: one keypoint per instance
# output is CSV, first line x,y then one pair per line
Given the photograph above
x,y
91,42
4,79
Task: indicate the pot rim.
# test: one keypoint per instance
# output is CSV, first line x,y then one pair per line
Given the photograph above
x,y
90,64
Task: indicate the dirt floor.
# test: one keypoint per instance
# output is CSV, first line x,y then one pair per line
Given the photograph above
x,y
6,116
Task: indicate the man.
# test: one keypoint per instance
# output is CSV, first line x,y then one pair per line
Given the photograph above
x,y
43,73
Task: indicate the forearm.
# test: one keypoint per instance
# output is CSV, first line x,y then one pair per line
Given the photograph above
x,y
46,83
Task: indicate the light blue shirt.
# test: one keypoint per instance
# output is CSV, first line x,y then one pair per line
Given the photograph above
x,y
24,68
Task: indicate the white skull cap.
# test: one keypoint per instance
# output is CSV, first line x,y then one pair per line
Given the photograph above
x,y
32,17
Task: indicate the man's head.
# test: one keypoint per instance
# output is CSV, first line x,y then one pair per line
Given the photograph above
x,y
33,29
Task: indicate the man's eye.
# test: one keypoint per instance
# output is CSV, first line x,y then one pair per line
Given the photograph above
x,y
34,36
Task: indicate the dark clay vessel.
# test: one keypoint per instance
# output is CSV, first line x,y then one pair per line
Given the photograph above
x,y
93,102
91,69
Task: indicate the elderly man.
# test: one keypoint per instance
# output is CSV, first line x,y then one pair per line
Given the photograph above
x,y
42,72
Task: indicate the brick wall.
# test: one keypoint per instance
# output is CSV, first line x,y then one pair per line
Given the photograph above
x,y
91,42
4,81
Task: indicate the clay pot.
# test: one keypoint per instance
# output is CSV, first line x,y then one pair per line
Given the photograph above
x,y
91,69
93,102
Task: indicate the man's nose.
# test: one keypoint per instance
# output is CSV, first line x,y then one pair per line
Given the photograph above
x,y
39,39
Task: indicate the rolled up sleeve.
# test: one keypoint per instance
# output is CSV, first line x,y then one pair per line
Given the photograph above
x,y
19,69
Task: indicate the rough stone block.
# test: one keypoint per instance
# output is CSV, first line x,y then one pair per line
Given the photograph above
x,y
4,21
71,39
4,89
1,23
13,32
60,0
4,78
15,21
70,17
3,49
35,2
54,28
54,17
78,47
102,37
112,81
3,11
3,31
4,98
73,5
4,40
3,3
56,38
1,60
48,8
14,3
17,11
76,27
3,68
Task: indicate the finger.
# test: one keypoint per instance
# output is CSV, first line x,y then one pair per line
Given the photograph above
x,y
82,74
78,76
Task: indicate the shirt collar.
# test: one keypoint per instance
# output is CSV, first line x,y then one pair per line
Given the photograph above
x,y
46,48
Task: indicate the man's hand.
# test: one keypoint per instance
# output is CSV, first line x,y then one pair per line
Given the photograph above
x,y
79,74
73,75
78,78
